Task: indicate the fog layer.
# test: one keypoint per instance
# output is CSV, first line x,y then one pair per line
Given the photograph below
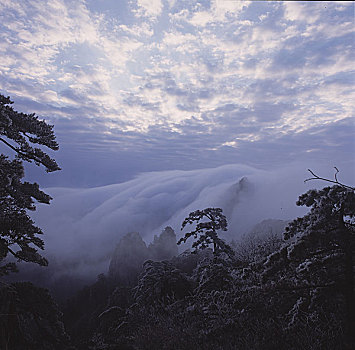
x,y
83,226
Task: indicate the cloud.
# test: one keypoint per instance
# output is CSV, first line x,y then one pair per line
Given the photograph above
x,y
149,8
82,226
295,11
182,82
195,68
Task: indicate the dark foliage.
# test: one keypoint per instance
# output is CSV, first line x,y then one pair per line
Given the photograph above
x,y
18,233
30,319
21,131
81,313
205,232
16,227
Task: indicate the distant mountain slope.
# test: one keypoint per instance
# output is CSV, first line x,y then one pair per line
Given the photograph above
x,y
268,227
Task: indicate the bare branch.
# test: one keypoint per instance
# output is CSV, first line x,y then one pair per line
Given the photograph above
x,y
316,177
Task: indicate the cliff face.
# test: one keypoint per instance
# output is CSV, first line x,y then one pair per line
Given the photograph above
x,y
128,259
131,252
164,247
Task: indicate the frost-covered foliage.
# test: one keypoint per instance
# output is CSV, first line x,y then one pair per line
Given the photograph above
x,y
213,274
18,234
318,258
264,239
281,294
161,282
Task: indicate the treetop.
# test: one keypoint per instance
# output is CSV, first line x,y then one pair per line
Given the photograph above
x,y
20,131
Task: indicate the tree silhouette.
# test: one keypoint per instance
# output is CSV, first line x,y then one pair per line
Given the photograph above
x,y
18,235
205,232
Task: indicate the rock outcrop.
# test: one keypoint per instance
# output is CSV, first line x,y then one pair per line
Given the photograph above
x,y
163,247
131,252
128,258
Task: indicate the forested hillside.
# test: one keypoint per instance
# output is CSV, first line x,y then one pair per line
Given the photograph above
x,y
267,291
154,190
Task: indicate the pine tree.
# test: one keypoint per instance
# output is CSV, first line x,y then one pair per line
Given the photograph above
x,y
18,234
205,232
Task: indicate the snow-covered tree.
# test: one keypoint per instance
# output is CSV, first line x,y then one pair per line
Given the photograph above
x,y
20,132
159,282
319,255
213,274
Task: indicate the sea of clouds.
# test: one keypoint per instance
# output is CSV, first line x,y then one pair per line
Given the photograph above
x,y
83,226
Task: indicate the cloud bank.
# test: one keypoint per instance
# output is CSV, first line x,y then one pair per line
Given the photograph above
x,y
83,226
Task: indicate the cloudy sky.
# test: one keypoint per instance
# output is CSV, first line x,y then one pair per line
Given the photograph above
x,y
147,85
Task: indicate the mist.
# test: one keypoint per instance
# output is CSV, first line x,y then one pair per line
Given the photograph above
x,y
83,226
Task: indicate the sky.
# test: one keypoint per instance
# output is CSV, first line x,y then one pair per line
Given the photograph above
x,y
134,86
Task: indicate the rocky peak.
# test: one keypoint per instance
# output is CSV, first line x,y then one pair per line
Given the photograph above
x,y
164,247
128,258
131,252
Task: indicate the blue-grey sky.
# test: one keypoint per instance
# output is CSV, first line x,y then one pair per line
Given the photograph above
x,y
148,85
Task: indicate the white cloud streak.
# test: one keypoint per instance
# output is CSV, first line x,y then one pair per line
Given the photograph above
x,y
82,226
